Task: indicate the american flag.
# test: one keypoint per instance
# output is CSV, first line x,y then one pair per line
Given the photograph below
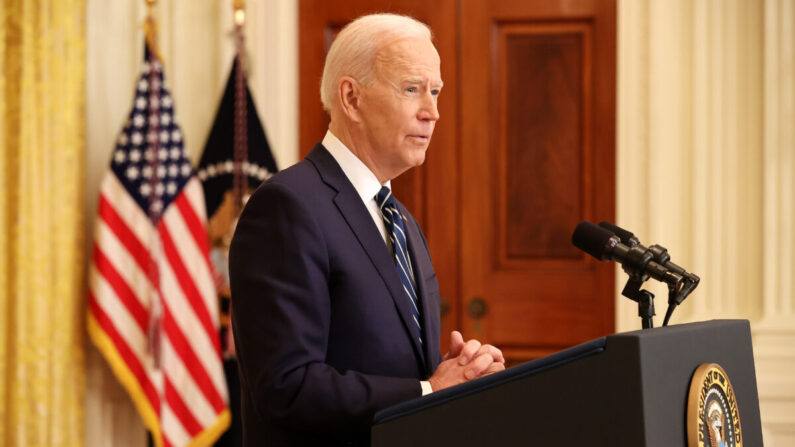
x,y
153,310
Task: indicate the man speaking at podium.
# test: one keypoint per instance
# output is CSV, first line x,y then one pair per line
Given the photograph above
x,y
335,301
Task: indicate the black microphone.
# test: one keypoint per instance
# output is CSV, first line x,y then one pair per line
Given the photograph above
x,y
636,260
661,256
659,253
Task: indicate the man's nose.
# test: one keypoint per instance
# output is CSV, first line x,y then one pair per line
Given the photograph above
x,y
429,110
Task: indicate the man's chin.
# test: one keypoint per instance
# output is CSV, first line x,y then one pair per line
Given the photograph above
x,y
418,157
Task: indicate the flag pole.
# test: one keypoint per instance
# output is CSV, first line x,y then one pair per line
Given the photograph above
x,y
151,155
241,108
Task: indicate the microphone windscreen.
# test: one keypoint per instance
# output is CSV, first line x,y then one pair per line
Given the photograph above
x,y
622,234
591,239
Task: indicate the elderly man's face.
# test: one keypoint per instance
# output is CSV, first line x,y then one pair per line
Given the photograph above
x,y
400,106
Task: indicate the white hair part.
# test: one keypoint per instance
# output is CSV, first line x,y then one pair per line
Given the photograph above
x,y
353,52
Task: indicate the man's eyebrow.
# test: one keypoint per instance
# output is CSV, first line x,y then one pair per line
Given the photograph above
x,y
421,80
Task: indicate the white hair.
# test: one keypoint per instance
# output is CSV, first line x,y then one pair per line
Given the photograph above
x,y
353,53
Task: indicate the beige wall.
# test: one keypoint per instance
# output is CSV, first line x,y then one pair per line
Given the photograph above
x,y
706,157
706,152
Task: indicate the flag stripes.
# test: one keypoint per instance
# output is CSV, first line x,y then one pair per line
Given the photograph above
x,y
192,322
121,288
187,286
131,360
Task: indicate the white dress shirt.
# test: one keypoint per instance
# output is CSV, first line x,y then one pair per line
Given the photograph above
x,y
367,185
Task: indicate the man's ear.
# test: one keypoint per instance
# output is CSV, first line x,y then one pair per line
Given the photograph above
x,y
350,92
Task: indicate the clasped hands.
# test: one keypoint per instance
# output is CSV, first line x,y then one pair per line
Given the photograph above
x,y
466,361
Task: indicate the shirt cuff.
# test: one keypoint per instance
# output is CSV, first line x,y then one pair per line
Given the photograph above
x,y
426,387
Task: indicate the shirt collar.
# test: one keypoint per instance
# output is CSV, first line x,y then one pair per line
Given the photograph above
x,y
362,178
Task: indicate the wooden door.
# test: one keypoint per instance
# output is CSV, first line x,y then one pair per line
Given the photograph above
x,y
431,191
537,157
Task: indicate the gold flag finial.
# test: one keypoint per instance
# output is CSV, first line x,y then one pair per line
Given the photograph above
x,y
240,12
150,30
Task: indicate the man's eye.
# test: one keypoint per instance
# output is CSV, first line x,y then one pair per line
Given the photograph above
x,y
435,92
411,89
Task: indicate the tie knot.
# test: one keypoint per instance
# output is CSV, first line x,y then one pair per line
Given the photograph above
x,y
384,197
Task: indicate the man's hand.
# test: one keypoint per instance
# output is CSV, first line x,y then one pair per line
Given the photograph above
x,y
466,361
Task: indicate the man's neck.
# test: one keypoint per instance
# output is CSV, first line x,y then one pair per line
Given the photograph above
x,y
346,136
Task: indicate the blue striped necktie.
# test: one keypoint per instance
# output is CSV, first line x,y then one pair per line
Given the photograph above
x,y
397,234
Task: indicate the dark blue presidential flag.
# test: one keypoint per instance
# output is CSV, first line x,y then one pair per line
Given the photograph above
x,y
218,163
237,158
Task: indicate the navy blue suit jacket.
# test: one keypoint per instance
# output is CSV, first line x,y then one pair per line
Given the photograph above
x,y
322,324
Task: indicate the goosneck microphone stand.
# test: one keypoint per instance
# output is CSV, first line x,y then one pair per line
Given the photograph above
x,y
608,242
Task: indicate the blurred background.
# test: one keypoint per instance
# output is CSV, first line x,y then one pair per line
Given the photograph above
x,y
675,119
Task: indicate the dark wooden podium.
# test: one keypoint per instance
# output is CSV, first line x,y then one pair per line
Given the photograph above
x,y
627,389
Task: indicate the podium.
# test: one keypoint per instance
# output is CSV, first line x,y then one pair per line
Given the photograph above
x,y
628,389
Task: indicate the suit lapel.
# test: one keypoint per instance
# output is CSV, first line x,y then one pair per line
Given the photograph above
x,y
361,223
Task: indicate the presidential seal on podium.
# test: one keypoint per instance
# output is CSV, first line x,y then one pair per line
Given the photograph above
x,y
713,419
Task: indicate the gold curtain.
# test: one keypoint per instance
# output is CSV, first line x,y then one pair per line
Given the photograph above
x,y
42,133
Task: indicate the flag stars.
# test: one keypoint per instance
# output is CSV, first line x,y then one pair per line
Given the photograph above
x,y
148,155
229,166
212,171
132,173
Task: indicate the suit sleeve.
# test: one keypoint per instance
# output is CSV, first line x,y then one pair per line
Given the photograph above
x,y
279,269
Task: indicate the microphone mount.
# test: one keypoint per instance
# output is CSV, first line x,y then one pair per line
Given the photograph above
x,y
608,242
680,282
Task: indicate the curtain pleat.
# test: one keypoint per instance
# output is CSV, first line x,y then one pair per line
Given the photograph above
x,y
42,142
